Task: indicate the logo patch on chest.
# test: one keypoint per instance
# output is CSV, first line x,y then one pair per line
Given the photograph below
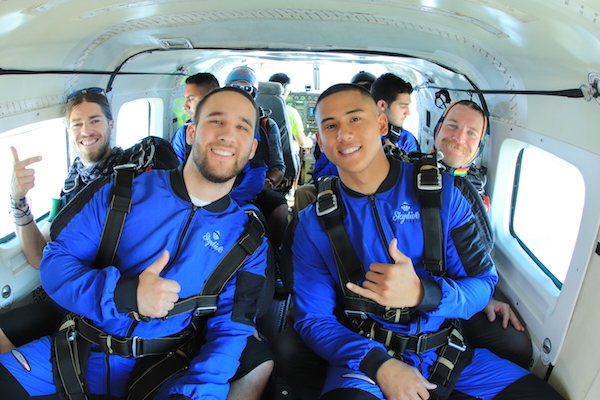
x,y
211,240
405,214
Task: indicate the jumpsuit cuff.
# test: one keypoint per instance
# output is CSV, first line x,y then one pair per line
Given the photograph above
x,y
373,361
126,295
432,295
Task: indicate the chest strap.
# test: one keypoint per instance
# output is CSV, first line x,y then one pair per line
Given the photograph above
x,y
331,212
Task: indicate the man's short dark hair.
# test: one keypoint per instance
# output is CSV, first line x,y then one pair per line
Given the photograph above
x,y
388,86
343,87
88,97
204,80
281,78
227,89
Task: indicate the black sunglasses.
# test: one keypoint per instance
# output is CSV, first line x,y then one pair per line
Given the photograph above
x,y
86,90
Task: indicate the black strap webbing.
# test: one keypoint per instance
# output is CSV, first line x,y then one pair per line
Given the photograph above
x,y
331,213
428,191
206,301
120,205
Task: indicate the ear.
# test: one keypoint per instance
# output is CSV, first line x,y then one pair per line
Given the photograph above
x,y
381,105
254,147
318,137
383,124
111,125
190,131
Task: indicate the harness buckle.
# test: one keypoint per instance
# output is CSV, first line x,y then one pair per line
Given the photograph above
x,y
326,202
135,348
353,314
432,181
458,346
204,310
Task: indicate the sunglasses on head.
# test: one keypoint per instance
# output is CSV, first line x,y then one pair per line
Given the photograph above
x,y
98,90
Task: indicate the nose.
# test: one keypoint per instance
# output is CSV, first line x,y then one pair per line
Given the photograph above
x,y
344,132
460,135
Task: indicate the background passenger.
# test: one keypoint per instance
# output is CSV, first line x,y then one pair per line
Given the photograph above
x,y
364,79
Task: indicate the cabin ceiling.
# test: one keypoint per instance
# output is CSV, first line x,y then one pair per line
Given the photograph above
x,y
485,40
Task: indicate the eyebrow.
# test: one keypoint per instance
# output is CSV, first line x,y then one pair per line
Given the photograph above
x,y
468,126
346,113
90,117
221,113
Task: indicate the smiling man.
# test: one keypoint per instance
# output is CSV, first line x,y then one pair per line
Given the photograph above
x,y
181,224
386,327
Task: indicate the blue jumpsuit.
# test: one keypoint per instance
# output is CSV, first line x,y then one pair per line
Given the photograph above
x,y
161,218
372,222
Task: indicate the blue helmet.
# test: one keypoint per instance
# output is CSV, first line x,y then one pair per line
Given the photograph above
x,y
242,73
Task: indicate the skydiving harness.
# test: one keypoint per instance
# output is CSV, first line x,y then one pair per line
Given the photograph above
x,y
427,189
174,353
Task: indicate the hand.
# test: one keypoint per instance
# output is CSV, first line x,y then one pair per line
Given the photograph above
x,y
268,184
497,307
400,381
156,295
393,285
23,178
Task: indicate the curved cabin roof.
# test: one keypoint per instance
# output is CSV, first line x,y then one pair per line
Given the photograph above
x,y
499,45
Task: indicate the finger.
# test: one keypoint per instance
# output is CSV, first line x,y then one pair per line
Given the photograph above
x,y
15,155
28,161
362,291
515,322
505,318
159,264
396,254
491,314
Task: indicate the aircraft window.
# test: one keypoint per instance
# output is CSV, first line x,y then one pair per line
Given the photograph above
x,y
133,123
48,139
547,205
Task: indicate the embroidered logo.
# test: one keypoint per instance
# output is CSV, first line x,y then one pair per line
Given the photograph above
x,y
212,240
21,360
405,214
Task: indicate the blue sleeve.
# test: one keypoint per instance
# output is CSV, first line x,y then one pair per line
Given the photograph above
x,y
179,143
408,142
252,184
65,267
209,372
275,151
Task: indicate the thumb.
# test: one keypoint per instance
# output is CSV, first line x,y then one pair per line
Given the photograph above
x,y
396,254
14,154
159,264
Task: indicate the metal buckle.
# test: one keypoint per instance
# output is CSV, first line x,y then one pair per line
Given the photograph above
x,y
135,347
125,166
458,347
428,186
419,343
331,207
204,310
355,314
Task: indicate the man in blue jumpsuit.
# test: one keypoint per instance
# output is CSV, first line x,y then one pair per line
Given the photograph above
x,y
383,221
181,224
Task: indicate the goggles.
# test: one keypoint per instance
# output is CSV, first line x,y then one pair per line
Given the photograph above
x,y
98,90
250,89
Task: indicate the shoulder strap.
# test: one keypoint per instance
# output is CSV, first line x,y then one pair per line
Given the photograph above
x,y
120,205
206,302
428,191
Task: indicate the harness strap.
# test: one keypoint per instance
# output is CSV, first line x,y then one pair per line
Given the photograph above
x,y
120,206
206,302
417,344
428,191
129,347
69,358
331,212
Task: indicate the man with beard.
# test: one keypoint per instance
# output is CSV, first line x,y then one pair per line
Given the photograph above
x,y
90,123
181,223
460,137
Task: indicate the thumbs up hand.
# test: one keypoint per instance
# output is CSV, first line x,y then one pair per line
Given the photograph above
x,y
156,295
393,285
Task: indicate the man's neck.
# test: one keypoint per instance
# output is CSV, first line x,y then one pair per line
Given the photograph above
x,y
198,186
368,181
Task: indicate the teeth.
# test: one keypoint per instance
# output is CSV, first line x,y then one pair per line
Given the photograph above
x,y
222,153
350,150
89,141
